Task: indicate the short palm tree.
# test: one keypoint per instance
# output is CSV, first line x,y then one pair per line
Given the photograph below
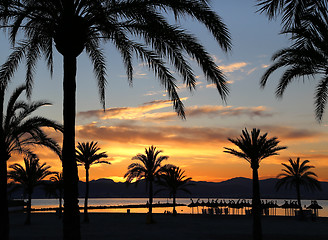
x,y
298,174
306,57
137,28
148,169
19,130
29,176
55,188
174,180
88,154
254,148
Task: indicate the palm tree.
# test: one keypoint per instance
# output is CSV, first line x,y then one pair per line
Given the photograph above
x,y
29,177
149,169
174,180
297,174
87,154
137,28
306,57
254,148
292,11
55,188
19,130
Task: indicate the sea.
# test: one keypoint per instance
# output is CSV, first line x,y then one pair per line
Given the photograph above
x,y
52,203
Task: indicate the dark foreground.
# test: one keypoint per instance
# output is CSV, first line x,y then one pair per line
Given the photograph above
x,y
119,226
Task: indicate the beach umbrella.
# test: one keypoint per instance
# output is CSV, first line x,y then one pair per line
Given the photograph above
x,y
315,207
272,205
208,204
192,205
203,204
238,205
286,206
232,205
294,205
197,204
215,203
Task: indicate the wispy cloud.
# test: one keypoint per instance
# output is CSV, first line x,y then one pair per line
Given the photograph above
x,y
233,67
215,111
157,135
251,71
127,113
148,112
180,136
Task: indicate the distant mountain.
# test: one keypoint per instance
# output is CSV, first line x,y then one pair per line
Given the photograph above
x,y
233,188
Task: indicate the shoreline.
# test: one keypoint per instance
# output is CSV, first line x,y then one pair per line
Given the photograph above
x,y
123,226
156,205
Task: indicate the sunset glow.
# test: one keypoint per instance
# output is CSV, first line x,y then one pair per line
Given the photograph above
x,y
138,117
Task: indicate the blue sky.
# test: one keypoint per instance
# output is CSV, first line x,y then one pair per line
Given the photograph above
x,y
140,116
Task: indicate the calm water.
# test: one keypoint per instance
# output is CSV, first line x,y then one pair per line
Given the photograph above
x,y
47,203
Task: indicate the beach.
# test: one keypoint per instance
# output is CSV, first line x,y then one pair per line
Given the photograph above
x,y
122,226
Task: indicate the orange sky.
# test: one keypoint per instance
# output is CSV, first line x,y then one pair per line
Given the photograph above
x,y
141,116
196,149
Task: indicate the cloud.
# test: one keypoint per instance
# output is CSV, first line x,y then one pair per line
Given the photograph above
x,y
233,67
127,113
147,112
157,135
290,133
251,71
152,93
216,111
154,134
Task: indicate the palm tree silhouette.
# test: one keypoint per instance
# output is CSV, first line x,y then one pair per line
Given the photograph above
x,y
173,180
306,57
29,176
254,148
296,174
292,11
55,188
87,154
149,169
19,130
74,26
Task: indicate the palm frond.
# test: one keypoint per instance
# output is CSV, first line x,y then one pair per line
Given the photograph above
x,y
254,147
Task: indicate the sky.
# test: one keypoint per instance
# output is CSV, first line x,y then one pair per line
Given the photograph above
x,y
140,116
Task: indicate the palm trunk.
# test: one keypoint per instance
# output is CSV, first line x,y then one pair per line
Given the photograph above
x,y
149,215
60,203
256,203
71,222
299,198
150,197
4,214
28,209
174,203
86,217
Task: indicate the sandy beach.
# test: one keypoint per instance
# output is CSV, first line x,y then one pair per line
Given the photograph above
x,y
121,226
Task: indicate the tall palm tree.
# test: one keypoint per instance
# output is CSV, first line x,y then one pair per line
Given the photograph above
x,y
55,188
174,180
254,148
306,57
19,130
149,169
298,174
29,176
137,28
88,154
